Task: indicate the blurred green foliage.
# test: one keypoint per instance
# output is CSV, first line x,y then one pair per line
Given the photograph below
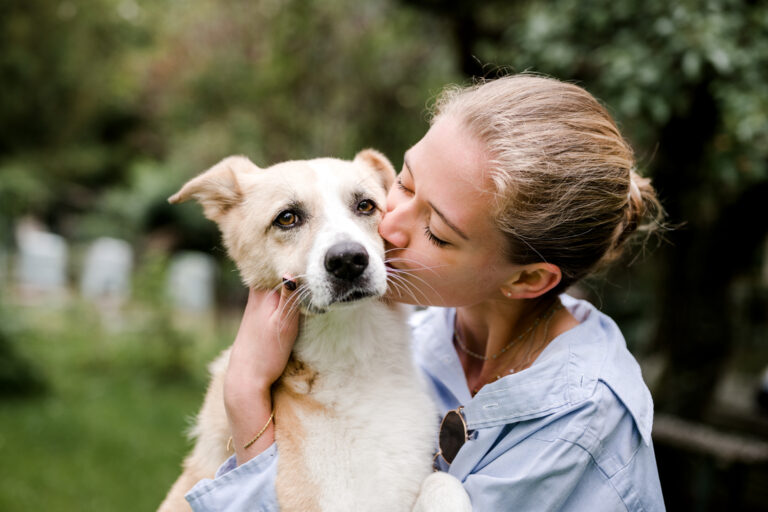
x,y
108,433
109,106
120,102
19,378
645,59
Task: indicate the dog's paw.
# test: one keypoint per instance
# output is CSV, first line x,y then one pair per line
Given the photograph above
x,y
441,492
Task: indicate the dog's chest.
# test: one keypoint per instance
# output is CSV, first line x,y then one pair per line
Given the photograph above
x,y
362,437
371,448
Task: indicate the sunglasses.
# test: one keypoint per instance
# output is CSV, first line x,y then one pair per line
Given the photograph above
x,y
453,435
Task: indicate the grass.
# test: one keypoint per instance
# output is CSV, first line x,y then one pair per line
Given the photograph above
x,y
108,432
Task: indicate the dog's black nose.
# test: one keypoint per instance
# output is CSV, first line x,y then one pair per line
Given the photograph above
x,y
346,260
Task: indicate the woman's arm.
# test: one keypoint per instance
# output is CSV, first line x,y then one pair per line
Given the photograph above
x,y
259,354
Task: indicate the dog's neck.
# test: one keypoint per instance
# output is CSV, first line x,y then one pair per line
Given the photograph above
x,y
356,335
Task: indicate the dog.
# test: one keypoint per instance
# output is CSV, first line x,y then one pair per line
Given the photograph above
x,y
350,381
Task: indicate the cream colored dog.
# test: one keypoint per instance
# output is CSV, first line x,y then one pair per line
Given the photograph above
x,y
354,425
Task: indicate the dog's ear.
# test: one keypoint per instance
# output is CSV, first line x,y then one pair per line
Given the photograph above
x,y
218,188
380,163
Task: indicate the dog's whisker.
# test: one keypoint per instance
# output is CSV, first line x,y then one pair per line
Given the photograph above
x,y
401,284
403,291
405,274
410,250
292,304
419,267
395,283
399,288
410,260
414,276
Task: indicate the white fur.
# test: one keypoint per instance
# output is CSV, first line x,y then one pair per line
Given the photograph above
x,y
369,438
377,448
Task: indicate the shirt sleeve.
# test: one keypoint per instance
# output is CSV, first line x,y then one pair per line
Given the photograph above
x,y
248,487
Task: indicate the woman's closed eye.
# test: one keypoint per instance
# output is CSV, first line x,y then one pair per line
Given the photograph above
x,y
427,232
403,187
432,238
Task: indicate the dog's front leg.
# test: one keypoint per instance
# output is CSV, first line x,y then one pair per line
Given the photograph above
x,y
441,492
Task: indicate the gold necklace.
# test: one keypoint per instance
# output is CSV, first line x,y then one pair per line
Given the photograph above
x,y
543,316
547,314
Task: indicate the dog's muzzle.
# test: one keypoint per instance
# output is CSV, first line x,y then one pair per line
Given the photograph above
x,y
346,262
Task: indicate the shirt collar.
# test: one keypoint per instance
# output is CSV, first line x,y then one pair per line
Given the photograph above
x,y
565,374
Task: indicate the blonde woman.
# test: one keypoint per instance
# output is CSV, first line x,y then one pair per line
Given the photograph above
x,y
521,187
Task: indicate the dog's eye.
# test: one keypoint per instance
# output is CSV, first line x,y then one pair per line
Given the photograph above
x,y
286,219
366,206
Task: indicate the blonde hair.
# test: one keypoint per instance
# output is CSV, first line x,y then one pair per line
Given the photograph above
x,y
566,187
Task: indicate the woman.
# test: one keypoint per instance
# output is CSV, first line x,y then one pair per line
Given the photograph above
x,y
521,187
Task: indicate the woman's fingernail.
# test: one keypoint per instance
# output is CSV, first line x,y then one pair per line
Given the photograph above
x,y
290,285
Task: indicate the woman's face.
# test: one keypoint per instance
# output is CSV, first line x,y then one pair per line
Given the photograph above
x,y
440,236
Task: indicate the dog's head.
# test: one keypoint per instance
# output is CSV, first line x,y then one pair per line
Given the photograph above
x,y
316,220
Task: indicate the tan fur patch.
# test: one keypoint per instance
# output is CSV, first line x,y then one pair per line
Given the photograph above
x,y
296,490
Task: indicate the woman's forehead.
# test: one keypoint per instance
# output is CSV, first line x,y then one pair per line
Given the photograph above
x,y
451,165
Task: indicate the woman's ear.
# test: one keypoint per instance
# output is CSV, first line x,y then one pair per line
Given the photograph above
x,y
533,280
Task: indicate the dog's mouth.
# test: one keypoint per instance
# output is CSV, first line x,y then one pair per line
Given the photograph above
x,y
355,295
340,298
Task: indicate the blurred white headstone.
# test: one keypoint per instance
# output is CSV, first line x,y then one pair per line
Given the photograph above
x,y
191,281
107,270
41,264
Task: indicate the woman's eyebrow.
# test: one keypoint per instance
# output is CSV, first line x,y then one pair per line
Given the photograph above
x,y
434,208
449,223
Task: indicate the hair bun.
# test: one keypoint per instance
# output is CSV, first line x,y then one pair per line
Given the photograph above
x,y
639,189
642,213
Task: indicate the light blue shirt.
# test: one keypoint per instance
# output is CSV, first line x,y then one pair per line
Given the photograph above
x,y
570,433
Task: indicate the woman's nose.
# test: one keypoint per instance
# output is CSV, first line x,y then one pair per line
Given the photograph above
x,y
391,227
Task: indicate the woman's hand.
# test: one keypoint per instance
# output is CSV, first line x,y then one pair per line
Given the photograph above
x,y
259,354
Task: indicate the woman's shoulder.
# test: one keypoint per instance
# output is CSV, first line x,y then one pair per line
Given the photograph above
x,y
601,345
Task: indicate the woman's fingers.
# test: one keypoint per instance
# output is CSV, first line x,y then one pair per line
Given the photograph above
x,y
264,341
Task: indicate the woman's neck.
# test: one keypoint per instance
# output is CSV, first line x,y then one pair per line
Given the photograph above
x,y
488,326
496,336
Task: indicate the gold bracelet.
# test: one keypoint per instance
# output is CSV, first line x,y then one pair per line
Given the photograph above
x,y
229,441
261,432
